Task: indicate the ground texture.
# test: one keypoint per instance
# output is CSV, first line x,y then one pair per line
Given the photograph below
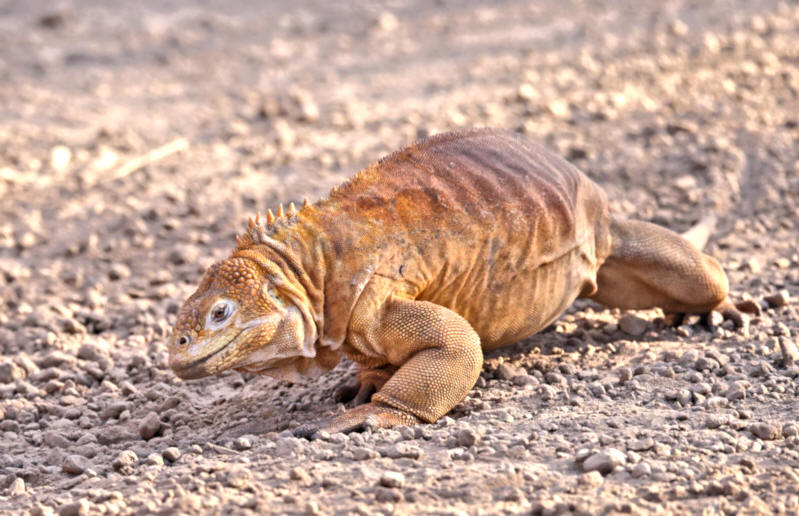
x,y
135,139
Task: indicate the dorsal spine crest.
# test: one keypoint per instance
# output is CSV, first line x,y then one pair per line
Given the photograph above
x,y
259,229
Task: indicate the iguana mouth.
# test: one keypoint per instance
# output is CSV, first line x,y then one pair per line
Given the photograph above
x,y
195,369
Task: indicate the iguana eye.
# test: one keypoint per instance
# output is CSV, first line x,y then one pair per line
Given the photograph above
x,y
220,312
185,340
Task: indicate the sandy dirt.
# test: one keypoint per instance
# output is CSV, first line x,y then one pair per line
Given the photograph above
x,y
136,138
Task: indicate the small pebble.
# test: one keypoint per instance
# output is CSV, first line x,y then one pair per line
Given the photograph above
x,y
125,462
392,479
647,443
591,479
17,487
386,494
779,299
633,325
301,475
155,459
75,464
507,371
171,454
77,508
467,437
604,461
765,431
242,443
149,425
642,469
238,477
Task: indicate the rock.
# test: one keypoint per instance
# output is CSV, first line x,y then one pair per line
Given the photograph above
x,y
400,450
765,431
125,462
75,464
716,420
243,443
779,299
60,157
644,444
523,380
118,271
149,425
386,494
467,437
79,507
24,361
114,410
55,359
238,477
633,325
392,479
789,351
155,459
507,371
16,488
171,454
582,454
299,473
559,108
735,393
11,372
55,440
714,319
591,479
790,430
115,434
387,21
363,453
642,469
604,461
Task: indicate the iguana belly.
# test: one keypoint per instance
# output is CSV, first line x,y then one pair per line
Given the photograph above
x,y
507,304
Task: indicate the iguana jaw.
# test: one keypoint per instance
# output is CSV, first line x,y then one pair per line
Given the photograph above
x,y
222,350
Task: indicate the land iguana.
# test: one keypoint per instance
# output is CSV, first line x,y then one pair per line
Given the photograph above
x,y
457,244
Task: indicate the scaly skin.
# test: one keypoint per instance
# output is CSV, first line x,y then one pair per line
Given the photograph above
x,y
457,244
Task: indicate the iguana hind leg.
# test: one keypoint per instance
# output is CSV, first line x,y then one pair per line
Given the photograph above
x,y
438,356
651,266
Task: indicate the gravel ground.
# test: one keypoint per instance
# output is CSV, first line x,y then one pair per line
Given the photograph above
x,y
136,139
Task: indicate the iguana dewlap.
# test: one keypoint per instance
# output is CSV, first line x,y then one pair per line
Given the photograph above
x,y
455,245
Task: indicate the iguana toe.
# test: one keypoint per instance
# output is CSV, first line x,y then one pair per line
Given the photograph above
x,y
370,416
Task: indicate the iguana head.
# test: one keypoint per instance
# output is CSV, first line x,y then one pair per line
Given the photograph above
x,y
250,313
244,315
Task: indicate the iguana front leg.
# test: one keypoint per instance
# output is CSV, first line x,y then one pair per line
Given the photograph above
x,y
439,359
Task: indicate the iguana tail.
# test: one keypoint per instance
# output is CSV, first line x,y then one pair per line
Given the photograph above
x,y
699,234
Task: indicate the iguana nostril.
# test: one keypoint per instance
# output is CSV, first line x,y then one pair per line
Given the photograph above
x,y
184,340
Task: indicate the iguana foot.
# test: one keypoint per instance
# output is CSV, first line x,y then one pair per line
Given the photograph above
x,y
360,389
364,417
735,312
